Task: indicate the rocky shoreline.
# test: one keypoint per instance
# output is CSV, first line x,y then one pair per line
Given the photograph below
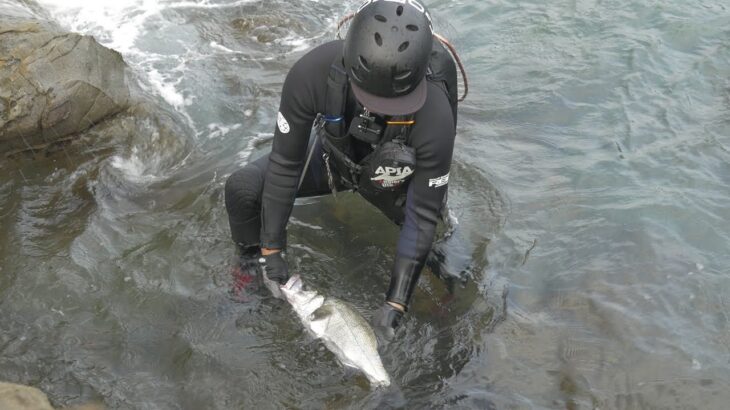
x,y
18,397
59,88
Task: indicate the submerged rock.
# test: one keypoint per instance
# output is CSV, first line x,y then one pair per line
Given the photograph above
x,y
54,84
16,397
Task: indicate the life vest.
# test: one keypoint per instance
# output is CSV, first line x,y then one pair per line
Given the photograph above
x,y
392,160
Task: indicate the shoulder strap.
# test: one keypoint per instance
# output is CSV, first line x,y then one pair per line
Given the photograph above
x,y
442,72
335,99
398,128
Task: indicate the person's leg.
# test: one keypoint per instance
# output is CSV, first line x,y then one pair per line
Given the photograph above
x,y
243,203
243,192
244,189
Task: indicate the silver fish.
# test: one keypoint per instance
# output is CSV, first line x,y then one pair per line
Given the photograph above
x,y
342,329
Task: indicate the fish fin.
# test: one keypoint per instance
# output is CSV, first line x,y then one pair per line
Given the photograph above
x,y
321,313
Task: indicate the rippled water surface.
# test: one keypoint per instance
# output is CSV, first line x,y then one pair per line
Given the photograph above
x,y
591,179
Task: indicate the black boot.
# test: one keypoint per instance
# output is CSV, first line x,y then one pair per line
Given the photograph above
x,y
245,278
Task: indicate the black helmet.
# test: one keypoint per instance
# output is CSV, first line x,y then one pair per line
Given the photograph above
x,y
386,55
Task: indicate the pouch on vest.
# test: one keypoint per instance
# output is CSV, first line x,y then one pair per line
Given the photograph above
x,y
389,166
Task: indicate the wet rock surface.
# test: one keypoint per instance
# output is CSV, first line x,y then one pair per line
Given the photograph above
x,y
16,397
19,397
54,84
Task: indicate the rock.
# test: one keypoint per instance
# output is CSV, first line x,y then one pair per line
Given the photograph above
x,y
16,397
53,84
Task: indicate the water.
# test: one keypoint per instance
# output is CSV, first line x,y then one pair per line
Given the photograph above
x,y
591,177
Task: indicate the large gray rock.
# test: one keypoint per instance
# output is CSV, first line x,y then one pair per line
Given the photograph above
x,y
54,84
16,397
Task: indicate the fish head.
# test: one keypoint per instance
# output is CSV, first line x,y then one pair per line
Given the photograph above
x,y
292,287
302,300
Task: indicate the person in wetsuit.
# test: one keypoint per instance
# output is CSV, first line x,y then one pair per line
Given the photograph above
x,y
383,103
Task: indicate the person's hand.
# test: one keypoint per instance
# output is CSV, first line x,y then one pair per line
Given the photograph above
x,y
386,320
274,266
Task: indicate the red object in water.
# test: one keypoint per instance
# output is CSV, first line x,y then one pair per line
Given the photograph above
x,y
243,282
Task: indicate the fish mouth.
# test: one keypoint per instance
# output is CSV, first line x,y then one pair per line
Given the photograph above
x,y
294,284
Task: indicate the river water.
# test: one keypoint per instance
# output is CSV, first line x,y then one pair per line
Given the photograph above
x,y
591,180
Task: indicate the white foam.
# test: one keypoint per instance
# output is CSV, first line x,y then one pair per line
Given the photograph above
x,y
116,24
123,25
137,169
220,47
295,221
298,43
245,155
696,365
219,130
11,8
205,4
167,90
119,23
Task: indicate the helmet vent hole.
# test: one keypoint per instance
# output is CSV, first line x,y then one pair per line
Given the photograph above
x,y
381,18
412,27
378,39
403,47
399,10
401,88
354,74
403,75
364,63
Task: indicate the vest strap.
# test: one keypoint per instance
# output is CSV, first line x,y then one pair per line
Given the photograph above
x,y
335,99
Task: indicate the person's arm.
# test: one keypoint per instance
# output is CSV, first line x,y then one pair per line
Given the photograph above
x,y
297,111
433,140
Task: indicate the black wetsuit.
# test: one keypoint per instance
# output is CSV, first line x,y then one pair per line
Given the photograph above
x,y
260,197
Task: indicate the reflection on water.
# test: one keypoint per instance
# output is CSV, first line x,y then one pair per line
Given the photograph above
x,y
590,181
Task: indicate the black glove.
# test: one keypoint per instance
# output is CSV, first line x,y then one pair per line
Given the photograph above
x,y
274,267
385,321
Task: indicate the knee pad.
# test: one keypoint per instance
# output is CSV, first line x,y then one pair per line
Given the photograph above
x,y
243,191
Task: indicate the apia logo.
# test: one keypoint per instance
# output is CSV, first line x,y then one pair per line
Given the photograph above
x,y
389,177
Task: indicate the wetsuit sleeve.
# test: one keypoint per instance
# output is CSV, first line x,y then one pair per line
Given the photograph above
x,y
433,140
297,111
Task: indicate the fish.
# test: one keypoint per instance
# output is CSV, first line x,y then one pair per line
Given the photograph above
x,y
340,326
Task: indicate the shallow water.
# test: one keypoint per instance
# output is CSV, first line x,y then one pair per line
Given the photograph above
x,y
591,178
